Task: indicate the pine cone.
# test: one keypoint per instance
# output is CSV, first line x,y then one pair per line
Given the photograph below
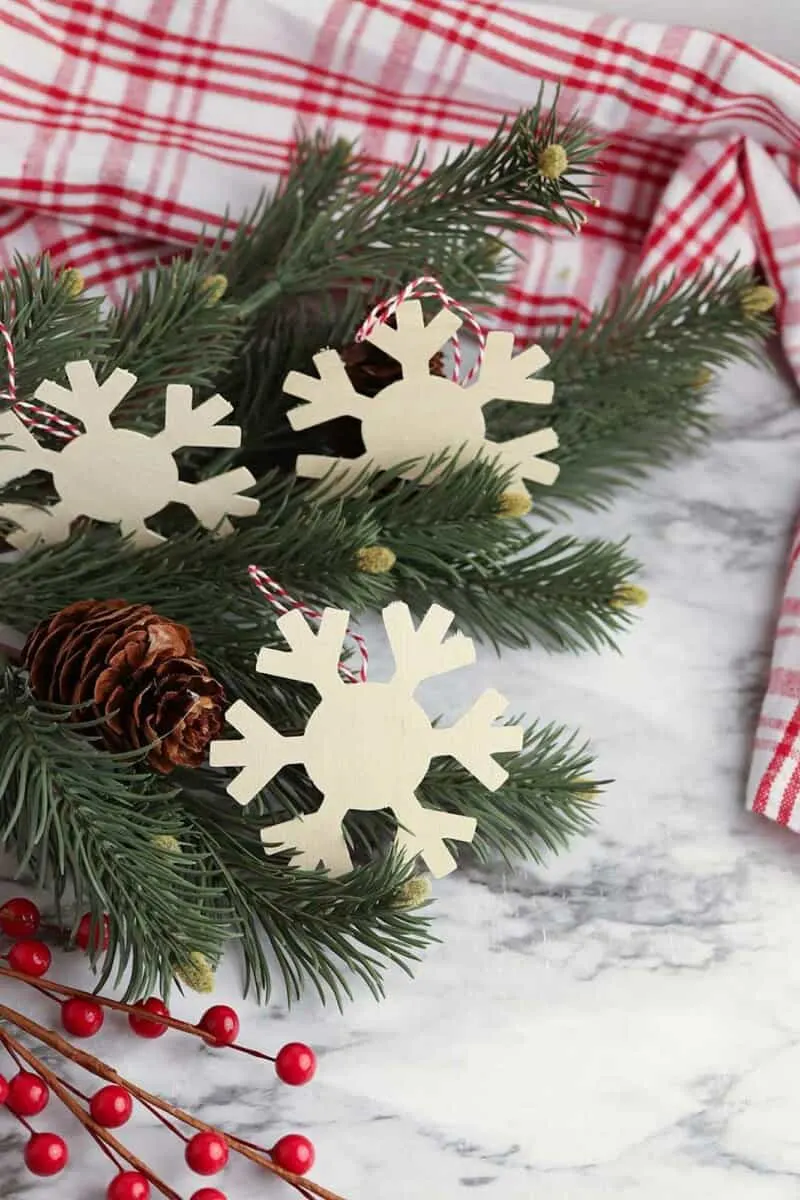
x,y
371,369
125,663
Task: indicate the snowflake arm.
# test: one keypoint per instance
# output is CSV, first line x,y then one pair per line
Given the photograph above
x,y
422,653
505,377
19,450
213,500
313,657
142,536
430,829
474,739
521,456
188,426
339,475
261,752
413,343
86,399
331,395
35,525
312,839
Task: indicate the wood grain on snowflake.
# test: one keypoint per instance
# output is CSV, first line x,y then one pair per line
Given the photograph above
x,y
367,746
118,475
421,417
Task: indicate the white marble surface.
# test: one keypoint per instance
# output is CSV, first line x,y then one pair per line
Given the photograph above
x,y
624,1023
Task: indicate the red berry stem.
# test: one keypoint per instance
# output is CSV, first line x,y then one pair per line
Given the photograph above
x,y
253,1053
114,1150
95,1066
17,1060
163,1119
60,989
22,1120
54,990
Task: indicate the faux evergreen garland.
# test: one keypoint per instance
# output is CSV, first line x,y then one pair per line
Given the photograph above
x,y
155,532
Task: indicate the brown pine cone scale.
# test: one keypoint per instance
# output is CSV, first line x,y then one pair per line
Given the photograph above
x,y
370,369
133,670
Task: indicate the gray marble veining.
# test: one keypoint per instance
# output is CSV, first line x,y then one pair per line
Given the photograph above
x,y
624,1022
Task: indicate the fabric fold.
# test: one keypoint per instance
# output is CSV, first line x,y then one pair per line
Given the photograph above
x,y
773,788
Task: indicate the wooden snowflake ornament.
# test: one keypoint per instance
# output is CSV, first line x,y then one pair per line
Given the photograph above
x,y
119,475
367,746
421,416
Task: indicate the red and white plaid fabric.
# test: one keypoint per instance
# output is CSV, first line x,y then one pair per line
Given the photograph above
x,y
774,786
127,126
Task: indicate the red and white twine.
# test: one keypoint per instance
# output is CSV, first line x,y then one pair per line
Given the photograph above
x,y
280,599
33,415
417,289
11,394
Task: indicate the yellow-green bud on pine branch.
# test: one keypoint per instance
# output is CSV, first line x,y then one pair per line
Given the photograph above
x,y
553,161
214,288
514,504
375,560
703,378
167,843
758,299
72,282
197,973
628,595
413,893
587,789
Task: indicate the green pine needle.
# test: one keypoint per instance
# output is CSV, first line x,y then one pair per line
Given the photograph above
x,y
632,386
548,799
84,822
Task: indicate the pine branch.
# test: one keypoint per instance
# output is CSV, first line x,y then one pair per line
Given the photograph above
x,y
321,176
411,219
311,549
504,582
319,930
548,798
561,592
202,581
171,328
631,387
85,822
49,323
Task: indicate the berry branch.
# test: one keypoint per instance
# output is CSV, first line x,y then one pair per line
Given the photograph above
x,y
206,1150
59,1088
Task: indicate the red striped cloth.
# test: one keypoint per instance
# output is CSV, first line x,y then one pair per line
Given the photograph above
x,y
774,787
121,132
127,127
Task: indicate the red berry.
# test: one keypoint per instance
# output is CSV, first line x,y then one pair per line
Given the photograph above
x,y
102,933
112,1106
294,1153
149,1029
31,958
46,1154
82,1018
4,1089
27,1094
296,1063
208,1194
19,917
222,1023
206,1153
128,1185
